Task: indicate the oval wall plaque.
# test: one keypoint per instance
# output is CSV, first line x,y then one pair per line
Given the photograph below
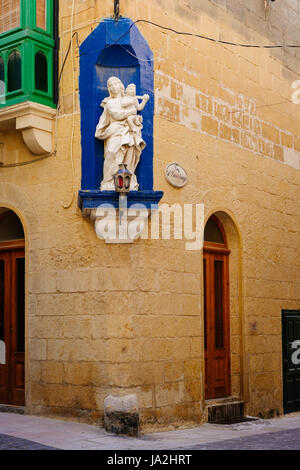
x,y
176,175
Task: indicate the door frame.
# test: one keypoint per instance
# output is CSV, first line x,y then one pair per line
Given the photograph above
x,y
12,245
15,395
213,248
288,407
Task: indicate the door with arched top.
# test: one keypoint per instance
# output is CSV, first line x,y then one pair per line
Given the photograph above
x,y
12,309
216,310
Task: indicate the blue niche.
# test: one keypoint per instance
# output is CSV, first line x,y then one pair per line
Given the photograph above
x,y
114,48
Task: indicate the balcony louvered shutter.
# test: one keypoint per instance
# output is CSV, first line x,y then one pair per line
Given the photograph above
x,y
41,14
9,15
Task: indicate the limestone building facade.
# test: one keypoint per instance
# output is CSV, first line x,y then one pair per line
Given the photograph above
x,y
180,329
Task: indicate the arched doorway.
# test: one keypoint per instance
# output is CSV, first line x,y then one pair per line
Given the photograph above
x,y
12,309
216,310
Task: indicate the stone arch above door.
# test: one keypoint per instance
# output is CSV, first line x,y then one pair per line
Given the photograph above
x,y
14,198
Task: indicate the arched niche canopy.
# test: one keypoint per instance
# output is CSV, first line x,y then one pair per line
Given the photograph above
x,y
114,48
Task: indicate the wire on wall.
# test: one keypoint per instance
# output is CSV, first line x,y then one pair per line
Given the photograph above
x,y
71,50
12,165
201,36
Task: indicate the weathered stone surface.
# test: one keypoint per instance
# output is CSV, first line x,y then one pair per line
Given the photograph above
x,y
114,319
121,415
125,404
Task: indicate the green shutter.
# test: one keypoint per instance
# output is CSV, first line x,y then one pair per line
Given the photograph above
x,y
33,69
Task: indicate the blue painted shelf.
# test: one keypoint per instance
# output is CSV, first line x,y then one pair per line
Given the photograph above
x,y
92,199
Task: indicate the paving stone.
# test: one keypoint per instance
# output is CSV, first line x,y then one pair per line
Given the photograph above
x,y
15,443
282,440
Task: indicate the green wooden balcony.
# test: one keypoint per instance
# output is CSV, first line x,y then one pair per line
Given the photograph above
x,y
27,52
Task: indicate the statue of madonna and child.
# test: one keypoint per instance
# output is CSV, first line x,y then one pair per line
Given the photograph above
x,y
120,127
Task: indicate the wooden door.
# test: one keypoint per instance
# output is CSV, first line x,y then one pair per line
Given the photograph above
x,y
291,360
12,323
216,323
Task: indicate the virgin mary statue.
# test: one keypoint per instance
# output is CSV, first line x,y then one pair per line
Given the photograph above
x,y
123,142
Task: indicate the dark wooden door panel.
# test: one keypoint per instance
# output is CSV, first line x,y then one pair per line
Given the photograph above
x,y
19,375
216,324
12,322
4,325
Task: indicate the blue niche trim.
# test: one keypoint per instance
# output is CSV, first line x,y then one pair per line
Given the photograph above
x,y
100,58
93,199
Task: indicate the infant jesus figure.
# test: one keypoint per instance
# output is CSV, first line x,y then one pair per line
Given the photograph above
x,y
131,101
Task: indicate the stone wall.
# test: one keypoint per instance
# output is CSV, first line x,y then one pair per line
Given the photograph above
x,y
104,319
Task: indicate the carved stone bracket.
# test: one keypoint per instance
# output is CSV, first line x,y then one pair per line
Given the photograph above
x,y
112,228
34,120
103,208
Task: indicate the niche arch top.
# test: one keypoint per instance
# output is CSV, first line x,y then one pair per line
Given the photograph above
x,y
114,48
117,56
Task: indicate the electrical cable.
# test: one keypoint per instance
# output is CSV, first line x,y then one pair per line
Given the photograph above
x,y
184,33
11,165
75,34
70,49
201,36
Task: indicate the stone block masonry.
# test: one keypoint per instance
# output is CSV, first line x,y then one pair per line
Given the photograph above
x,y
232,118
128,320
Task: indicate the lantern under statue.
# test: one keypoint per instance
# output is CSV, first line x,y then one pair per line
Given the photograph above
x,y
120,127
122,179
